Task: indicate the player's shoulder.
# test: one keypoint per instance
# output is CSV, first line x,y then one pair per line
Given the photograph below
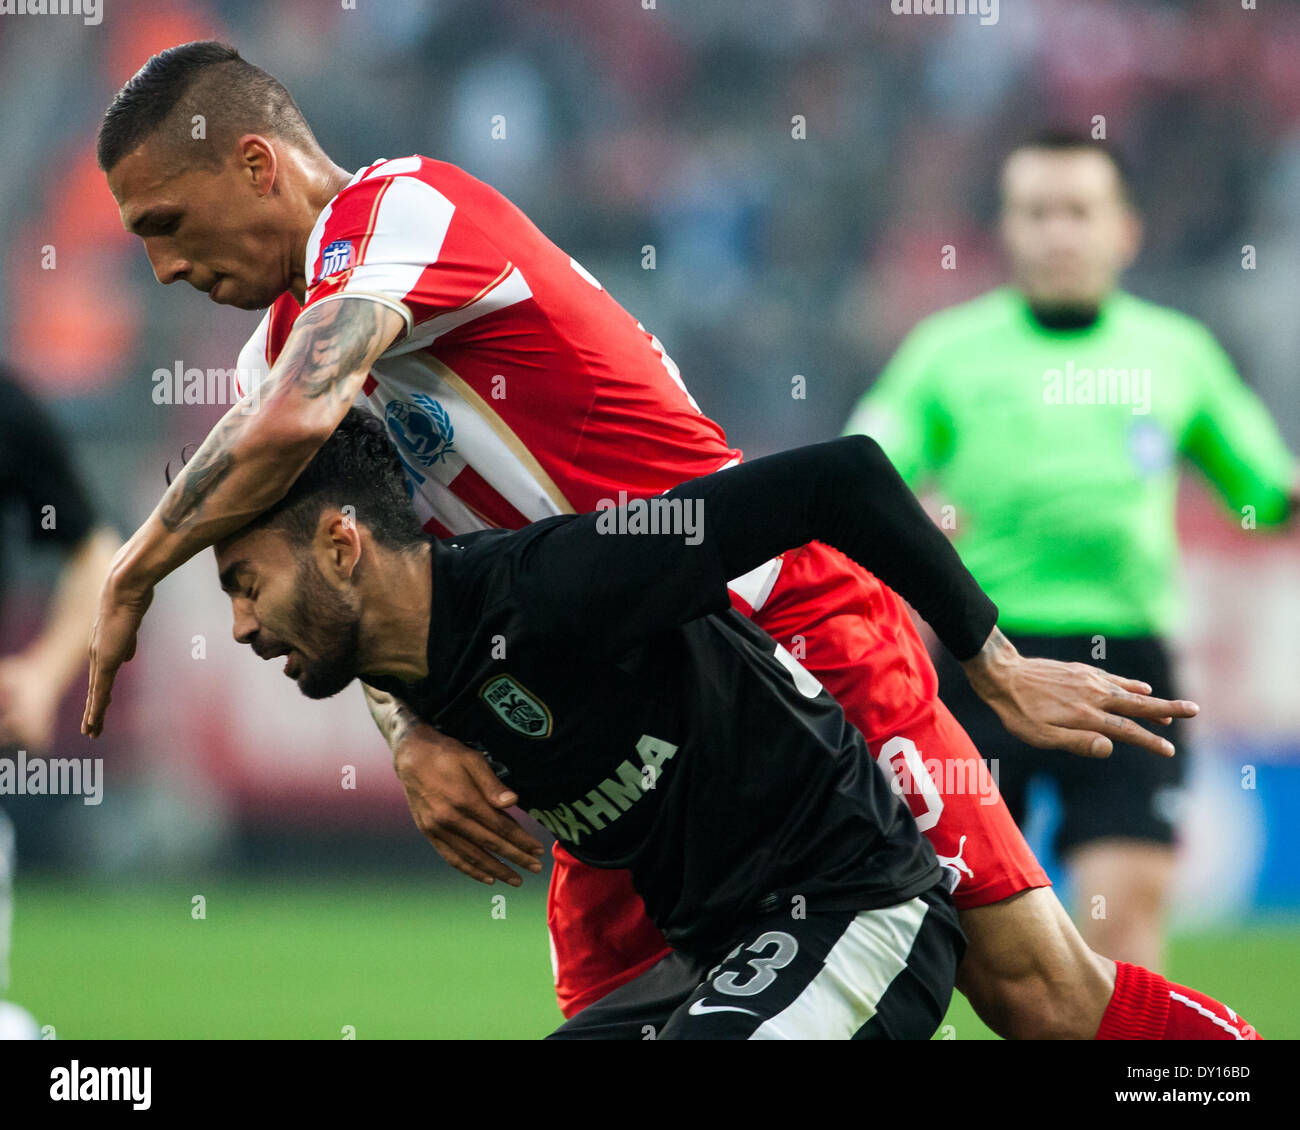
x,y
412,172
356,205
484,555
525,559
497,545
489,576
468,578
402,196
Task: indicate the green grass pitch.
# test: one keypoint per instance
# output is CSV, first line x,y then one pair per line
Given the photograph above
x,y
312,959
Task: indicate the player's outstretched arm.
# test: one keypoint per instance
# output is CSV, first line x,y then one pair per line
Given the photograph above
x,y
850,496
612,588
246,464
454,797
608,585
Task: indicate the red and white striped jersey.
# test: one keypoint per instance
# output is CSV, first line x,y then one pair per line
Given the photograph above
x,y
520,389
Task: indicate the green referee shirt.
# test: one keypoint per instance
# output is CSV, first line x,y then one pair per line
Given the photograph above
x,y
1058,451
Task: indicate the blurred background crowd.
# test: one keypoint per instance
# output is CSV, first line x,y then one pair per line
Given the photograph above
x,y
670,130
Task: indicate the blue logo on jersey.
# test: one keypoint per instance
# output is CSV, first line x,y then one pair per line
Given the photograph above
x,y
1150,448
335,258
422,429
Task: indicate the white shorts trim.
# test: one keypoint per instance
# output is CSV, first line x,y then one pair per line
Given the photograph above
x,y
858,970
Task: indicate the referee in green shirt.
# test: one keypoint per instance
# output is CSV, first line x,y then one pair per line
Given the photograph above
x,y
1051,415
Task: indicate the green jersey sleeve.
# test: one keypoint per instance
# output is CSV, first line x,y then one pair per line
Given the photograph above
x,y
902,411
1232,439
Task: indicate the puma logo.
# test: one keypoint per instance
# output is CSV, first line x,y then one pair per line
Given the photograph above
x,y
956,862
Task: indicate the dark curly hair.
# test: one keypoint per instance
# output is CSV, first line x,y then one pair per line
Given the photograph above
x,y
357,467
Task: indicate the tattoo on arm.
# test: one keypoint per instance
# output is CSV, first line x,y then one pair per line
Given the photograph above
x,y
329,343
202,474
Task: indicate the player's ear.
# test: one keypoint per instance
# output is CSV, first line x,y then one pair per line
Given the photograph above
x,y
338,541
257,161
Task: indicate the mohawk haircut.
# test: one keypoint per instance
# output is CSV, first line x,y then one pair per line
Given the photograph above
x,y
205,78
357,467
1058,140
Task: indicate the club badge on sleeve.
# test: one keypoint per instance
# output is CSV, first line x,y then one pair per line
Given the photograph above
x,y
335,258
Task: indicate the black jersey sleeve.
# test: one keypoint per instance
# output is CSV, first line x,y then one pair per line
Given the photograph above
x,y
40,471
603,582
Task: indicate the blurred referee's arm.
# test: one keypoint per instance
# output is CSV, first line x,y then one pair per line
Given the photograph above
x,y
1233,441
246,464
59,514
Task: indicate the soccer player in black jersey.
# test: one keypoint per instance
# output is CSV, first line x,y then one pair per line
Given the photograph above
x,y
596,660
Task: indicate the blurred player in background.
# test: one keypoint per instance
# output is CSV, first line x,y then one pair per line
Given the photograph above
x,y
515,388
37,479
1051,414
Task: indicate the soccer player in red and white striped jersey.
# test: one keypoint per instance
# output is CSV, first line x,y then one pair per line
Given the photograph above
x,y
515,387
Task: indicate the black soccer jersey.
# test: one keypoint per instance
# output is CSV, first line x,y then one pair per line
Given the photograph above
x,y
650,727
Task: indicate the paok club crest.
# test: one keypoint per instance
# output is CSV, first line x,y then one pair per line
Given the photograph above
x,y
522,711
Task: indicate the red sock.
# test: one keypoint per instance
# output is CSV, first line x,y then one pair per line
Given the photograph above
x,y
1147,1007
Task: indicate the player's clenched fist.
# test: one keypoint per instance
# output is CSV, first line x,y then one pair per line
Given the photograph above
x,y
457,801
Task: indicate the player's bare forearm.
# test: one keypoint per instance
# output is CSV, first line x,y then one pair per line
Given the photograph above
x,y
251,458
1070,706
247,463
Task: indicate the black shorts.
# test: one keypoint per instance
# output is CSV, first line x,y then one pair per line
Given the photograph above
x,y
882,974
1131,794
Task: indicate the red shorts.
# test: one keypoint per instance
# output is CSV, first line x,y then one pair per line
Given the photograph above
x,y
855,635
